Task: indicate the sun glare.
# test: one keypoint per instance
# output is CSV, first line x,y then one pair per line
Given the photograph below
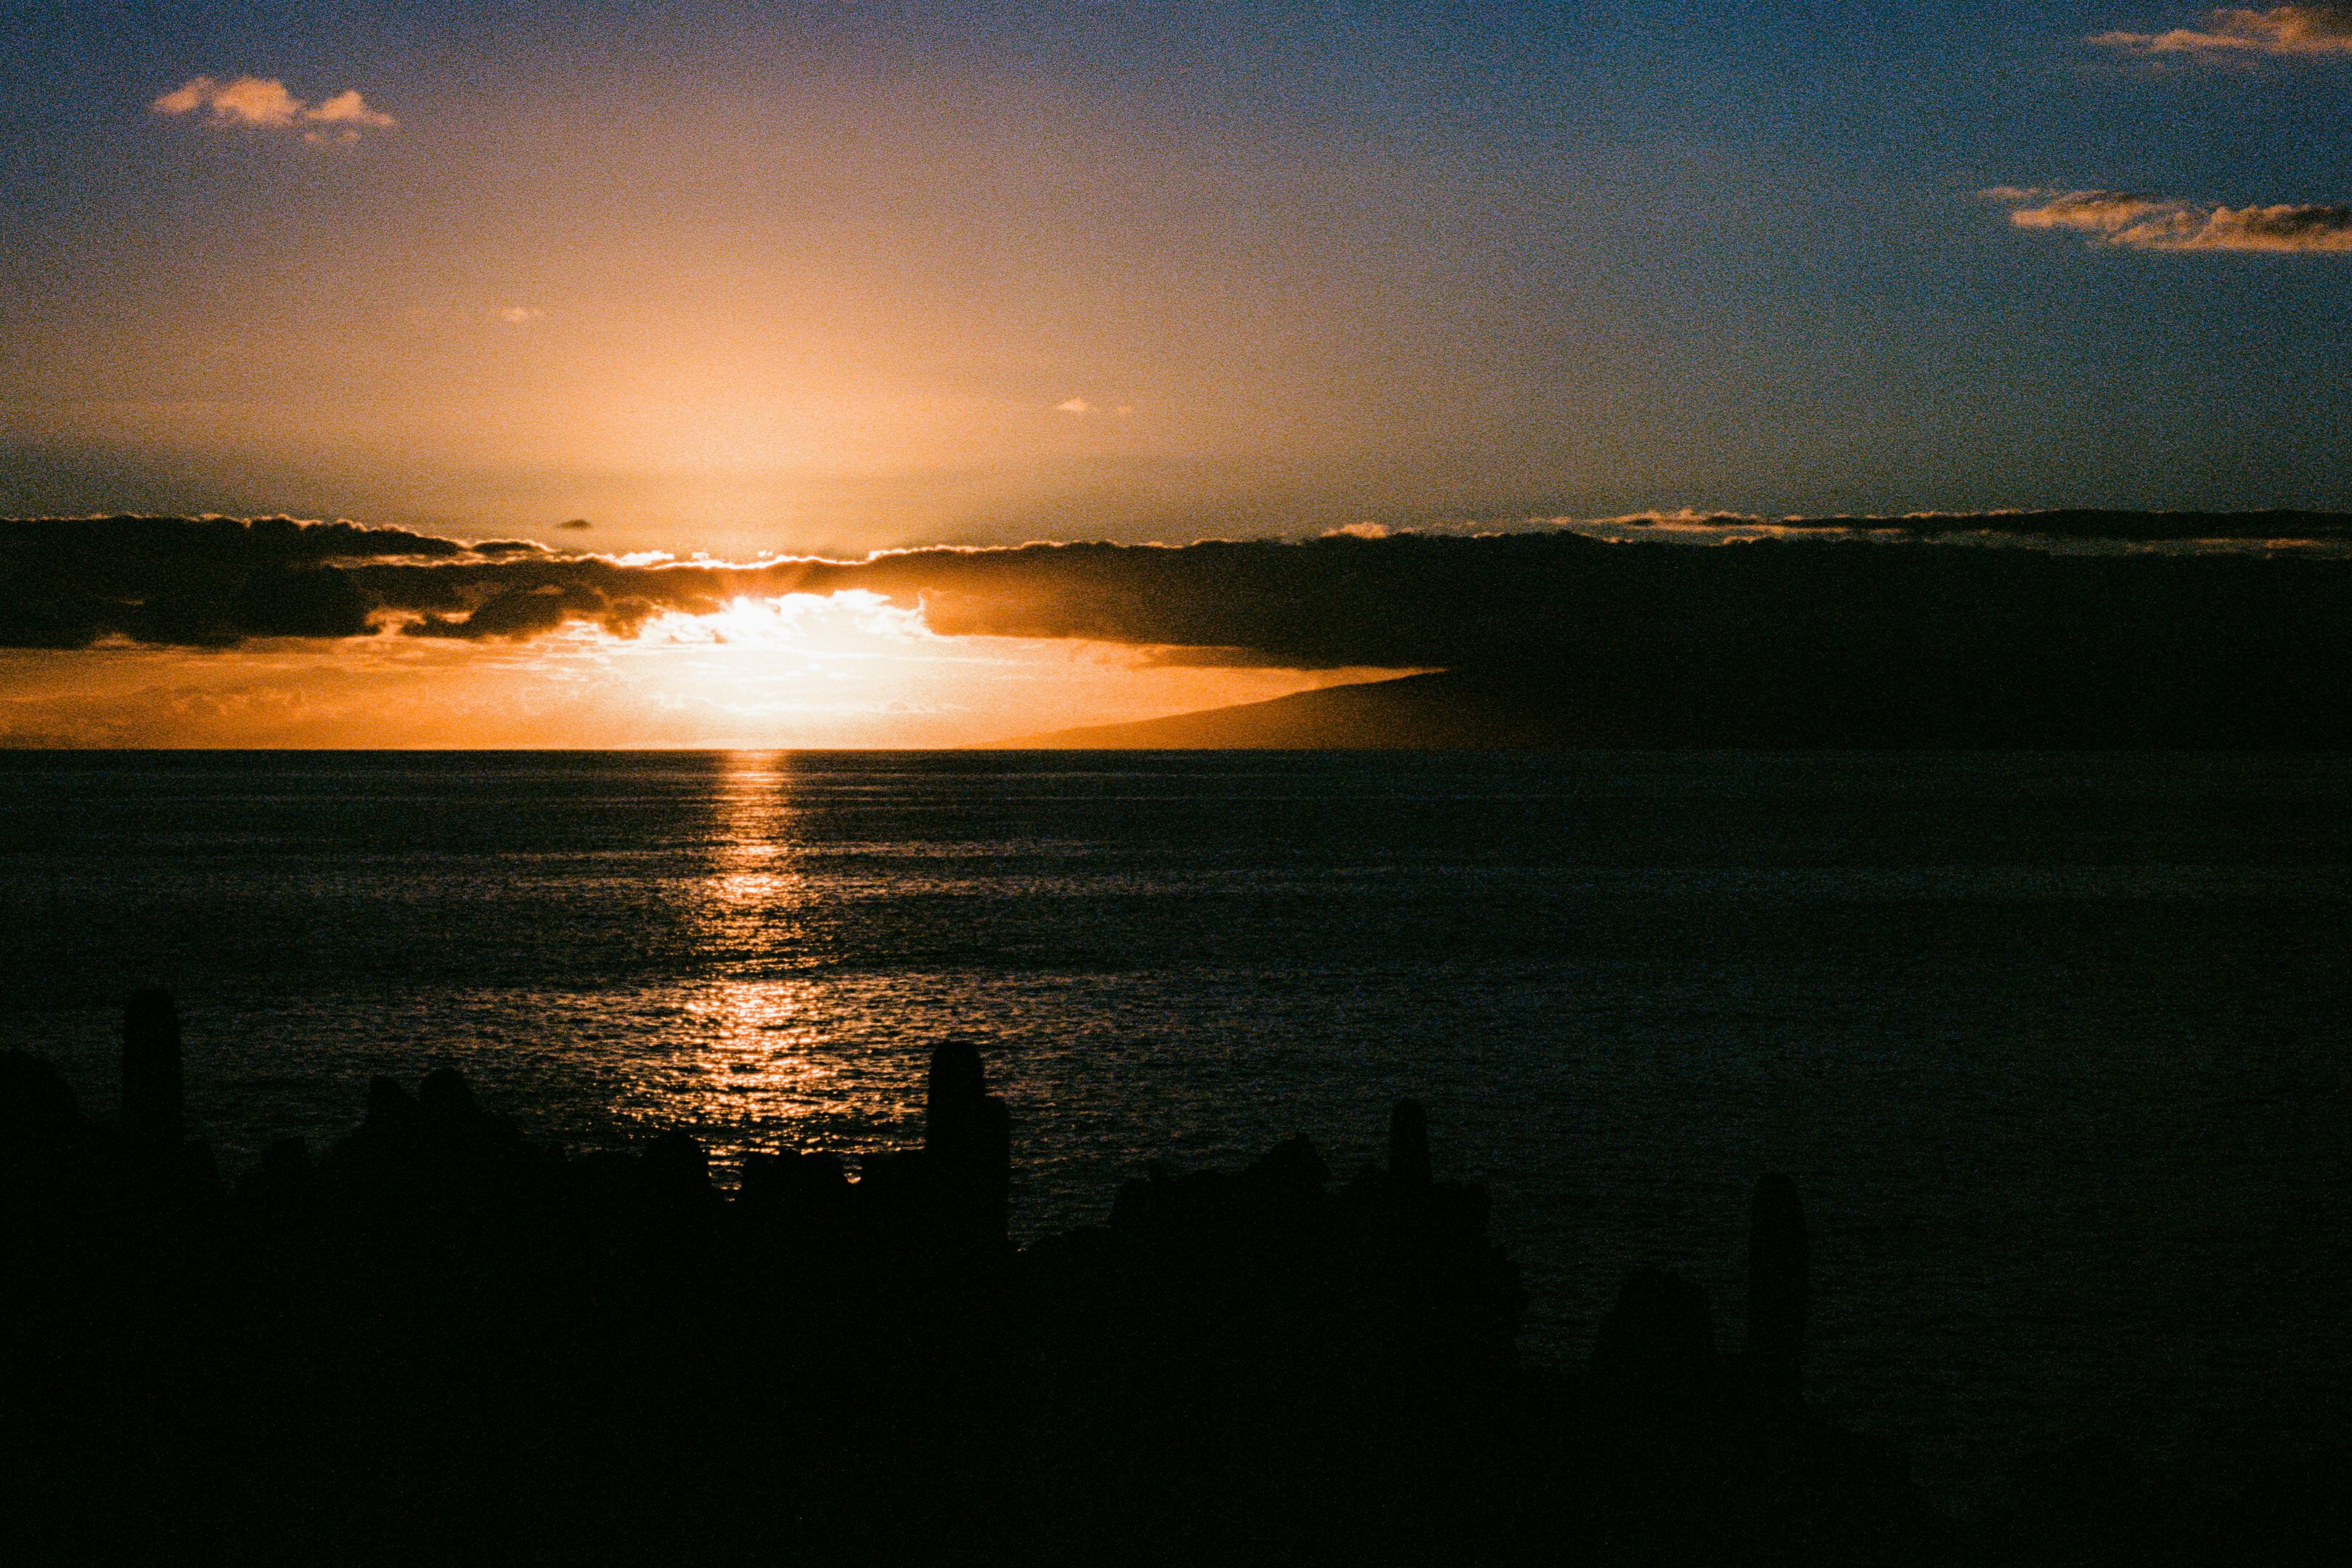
x,y
846,670
850,624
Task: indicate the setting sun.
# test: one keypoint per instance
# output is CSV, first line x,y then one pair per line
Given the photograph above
x,y
795,670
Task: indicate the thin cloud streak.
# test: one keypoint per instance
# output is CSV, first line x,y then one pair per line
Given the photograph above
x,y
2155,222
2290,31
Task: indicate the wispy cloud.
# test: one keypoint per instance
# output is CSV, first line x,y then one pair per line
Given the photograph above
x,y
2154,223
1078,406
264,104
2283,30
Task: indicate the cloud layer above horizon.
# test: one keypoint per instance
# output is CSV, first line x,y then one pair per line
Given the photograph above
x,y
1348,599
2050,627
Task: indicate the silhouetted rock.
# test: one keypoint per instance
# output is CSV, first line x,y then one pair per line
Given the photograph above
x,y
440,1341
1293,1166
392,1110
968,1147
1657,1343
284,1175
810,1186
153,1098
446,1097
38,1117
1776,1286
1407,1146
675,1175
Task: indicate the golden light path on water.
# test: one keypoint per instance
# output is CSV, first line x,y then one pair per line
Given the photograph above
x,y
763,1049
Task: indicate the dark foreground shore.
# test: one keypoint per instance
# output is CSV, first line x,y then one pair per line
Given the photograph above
x,y
441,1342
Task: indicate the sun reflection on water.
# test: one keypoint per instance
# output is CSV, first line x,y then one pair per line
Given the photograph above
x,y
761,1055
755,890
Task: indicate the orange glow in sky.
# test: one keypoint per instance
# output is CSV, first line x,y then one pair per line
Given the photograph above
x,y
799,670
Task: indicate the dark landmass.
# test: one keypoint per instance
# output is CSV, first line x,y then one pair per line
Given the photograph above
x,y
2001,704
1414,713
439,1341
1546,639
1440,711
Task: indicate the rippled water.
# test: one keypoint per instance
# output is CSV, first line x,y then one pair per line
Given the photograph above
x,y
2055,1046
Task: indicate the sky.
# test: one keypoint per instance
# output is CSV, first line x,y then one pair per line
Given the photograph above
x,y
850,275
845,274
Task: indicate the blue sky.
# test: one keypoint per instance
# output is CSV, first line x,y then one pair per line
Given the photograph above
x,y
849,275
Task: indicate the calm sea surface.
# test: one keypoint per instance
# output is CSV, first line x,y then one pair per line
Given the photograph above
x,y
2055,1046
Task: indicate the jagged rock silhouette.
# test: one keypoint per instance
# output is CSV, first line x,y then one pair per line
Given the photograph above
x,y
440,1340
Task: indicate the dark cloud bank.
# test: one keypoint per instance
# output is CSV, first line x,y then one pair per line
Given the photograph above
x,y
1543,637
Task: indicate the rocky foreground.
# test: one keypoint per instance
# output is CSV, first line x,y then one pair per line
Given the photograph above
x,y
440,1341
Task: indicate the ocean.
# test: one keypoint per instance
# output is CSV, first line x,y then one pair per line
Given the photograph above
x,y
2055,1046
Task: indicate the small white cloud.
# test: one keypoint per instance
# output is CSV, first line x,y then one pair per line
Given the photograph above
x,y
2279,30
347,108
1124,410
519,315
1359,530
263,104
1078,406
250,100
187,99
2154,223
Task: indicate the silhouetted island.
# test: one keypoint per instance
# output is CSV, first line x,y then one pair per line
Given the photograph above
x,y
440,1341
